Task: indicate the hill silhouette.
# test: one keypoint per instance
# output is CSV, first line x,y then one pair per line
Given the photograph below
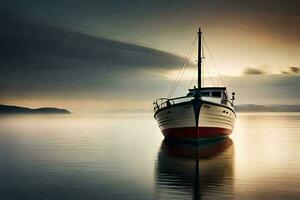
x,y
8,109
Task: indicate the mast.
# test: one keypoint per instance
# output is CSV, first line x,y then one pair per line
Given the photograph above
x,y
199,58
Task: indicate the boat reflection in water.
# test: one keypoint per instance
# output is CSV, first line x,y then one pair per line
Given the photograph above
x,y
193,172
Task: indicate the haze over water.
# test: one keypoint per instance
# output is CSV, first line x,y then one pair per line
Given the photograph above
x,y
124,157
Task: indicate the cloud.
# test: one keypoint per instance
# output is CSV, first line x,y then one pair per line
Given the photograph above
x,y
254,71
291,70
39,59
266,70
32,42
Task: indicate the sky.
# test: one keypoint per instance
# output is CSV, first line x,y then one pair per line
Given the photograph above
x,y
92,56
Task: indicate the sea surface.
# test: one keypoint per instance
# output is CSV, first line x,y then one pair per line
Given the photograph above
x,y
124,157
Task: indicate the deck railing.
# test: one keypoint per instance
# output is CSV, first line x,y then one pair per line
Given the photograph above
x,y
227,101
164,102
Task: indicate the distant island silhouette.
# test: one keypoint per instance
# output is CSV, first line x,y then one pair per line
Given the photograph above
x,y
267,108
8,109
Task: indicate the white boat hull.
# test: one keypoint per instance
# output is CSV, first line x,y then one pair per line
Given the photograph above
x,y
179,121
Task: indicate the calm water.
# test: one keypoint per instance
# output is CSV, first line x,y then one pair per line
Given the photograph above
x,y
124,157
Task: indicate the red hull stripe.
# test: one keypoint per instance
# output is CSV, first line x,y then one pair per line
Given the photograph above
x,y
191,132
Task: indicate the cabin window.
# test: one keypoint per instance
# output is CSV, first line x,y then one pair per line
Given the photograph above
x,y
216,94
205,94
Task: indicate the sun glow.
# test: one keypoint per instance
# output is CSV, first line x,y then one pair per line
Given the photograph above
x,y
188,74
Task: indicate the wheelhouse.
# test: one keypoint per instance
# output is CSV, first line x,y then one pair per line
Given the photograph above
x,y
212,94
215,92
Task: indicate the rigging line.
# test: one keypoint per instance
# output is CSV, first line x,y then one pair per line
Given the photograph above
x,y
210,54
203,72
202,57
180,74
210,77
194,74
182,67
207,68
202,67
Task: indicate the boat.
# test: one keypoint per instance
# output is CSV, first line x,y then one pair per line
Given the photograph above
x,y
203,114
